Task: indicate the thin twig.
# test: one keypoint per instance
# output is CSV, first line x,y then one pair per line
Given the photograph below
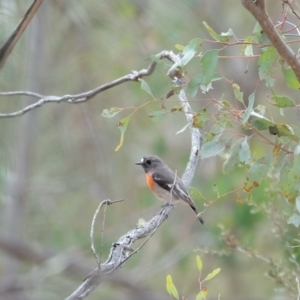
x,y
172,188
10,43
119,253
291,7
170,206
298,288
22,93
102,233
104,202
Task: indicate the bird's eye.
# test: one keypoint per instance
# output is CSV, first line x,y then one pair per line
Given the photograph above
x,y
148,162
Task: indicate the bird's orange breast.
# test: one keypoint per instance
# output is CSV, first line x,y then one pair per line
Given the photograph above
x,y
150,181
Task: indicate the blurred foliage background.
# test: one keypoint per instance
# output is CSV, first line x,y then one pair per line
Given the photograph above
x,y
58,161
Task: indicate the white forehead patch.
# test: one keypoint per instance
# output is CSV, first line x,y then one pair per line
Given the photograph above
x,y
142,160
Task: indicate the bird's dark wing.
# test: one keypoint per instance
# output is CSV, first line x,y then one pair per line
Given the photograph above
x,y
167,180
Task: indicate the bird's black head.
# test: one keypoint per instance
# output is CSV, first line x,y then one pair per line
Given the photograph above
x,y
150,162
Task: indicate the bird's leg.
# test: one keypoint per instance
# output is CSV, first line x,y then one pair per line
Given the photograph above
x,y
167,205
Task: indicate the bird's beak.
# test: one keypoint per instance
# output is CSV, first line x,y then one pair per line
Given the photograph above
x,y
139,163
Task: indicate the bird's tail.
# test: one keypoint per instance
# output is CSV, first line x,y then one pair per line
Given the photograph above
x,y
193,207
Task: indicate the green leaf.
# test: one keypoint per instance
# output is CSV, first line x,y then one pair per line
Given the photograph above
x,y
223,103
262,124
258,171
298,203
200,119
196,195
237,93
249,108
156,116
212,274
223,37
297,150
290,78
193,85
245,153
289,181
294,220
199,263
199,80
282,160
233,159
183,128
171,289
179,47
283,101
283,130
202,294
122,125
209,63
259,35
220,126
145,87
190,50
248,48
294,173
261,109
266,62
176,108
111,113
211,148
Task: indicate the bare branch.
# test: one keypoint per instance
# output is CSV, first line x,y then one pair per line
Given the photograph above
x,y
22,93
105,202
178,81
17,33
291,7
119,253
258,10
82,97
190,169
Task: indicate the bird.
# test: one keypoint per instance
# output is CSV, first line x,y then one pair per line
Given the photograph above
x,y
165,184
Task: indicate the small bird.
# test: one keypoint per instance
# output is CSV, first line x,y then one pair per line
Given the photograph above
x,y
164,182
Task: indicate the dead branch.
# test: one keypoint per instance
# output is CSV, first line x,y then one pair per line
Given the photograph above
x,y
119,253
82,97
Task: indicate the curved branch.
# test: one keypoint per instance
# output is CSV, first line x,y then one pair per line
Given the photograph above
x,y
82,97
77,98
119,253
258,10
178,81
190,169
